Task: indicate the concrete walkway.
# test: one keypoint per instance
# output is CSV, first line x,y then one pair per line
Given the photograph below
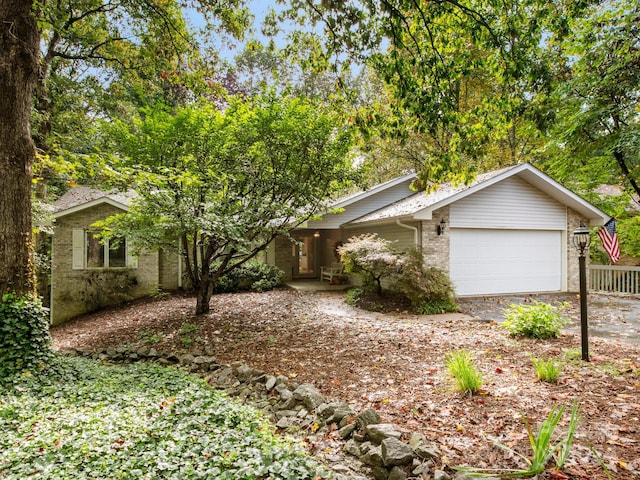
x,y
314,285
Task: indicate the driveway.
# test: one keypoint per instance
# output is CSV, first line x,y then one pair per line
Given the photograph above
x,y
609,316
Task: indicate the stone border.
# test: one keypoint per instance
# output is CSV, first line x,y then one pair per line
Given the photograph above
x,y
355,446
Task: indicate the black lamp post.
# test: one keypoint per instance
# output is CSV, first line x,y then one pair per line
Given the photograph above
x,y
581,241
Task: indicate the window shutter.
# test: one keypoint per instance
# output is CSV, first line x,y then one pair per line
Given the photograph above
x,y
78,252
132,260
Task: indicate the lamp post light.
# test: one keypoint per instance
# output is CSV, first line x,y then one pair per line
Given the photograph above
x,y
581,241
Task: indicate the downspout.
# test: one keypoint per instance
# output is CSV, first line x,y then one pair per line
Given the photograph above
x,y
416,233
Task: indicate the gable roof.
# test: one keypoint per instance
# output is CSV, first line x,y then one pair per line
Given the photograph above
x,y
363,194
421,206
81,197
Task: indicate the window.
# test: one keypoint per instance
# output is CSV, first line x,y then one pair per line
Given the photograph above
x,y
88,252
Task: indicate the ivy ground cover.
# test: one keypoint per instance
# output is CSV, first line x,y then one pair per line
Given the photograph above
x,y
139,421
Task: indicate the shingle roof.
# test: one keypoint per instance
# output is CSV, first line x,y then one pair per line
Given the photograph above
x,y
421,200
80,195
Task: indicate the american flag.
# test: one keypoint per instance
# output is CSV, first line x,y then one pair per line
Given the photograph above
x,y
610,240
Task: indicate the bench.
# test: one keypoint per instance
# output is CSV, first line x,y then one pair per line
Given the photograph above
x,y
334,270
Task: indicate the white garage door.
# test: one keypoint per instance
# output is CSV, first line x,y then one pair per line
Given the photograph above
x,y
505,261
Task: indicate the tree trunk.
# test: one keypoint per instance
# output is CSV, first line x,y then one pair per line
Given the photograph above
x,y
203,297
19,50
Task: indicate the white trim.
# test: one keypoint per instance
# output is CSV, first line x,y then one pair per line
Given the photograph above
x,y
78,249
378,188
92,203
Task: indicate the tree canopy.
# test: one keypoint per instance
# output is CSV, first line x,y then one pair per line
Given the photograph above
x,y
226,183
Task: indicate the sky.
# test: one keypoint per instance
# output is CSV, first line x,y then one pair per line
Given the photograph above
x,y
259,9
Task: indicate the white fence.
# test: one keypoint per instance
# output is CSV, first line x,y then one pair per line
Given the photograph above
x,y
609,278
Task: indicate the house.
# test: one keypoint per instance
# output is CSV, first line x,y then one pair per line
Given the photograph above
x,y
507,232
87,275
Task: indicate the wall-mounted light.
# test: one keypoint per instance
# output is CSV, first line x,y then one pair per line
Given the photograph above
x,y
441,227
316,234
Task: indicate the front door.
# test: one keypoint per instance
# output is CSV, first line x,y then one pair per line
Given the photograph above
x,y
306,256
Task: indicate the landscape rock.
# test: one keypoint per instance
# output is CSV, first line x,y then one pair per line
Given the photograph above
x,y
427,451
270,383
372,457
187,359
290,403
380,473
333,412
378,432
286,413
202,360
342,411
309,395
395,452
396,473
244,372
367,417
417,439
347,430
352,448
441,475
284,422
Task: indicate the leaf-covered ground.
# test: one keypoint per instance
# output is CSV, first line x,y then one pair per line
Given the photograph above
x,y
395,363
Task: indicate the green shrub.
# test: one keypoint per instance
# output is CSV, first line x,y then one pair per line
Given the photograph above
x,y
372,258
435,307
463,371
539,320
25,343
546,369
255,276
353,295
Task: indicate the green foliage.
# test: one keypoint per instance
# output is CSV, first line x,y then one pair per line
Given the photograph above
x,y
463,371
430,290
25,343
353,295
628,230
435,307
572,354
542,446
486,61
228,181
99,421
187,328
371,257
254,275
599,131
149,337
547,370
185,333
539,320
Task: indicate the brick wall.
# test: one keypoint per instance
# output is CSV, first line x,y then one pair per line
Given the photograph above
x,y
285,259
574,220
436,248
74,292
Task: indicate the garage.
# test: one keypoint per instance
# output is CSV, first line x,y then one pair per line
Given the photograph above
x,y
493,261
